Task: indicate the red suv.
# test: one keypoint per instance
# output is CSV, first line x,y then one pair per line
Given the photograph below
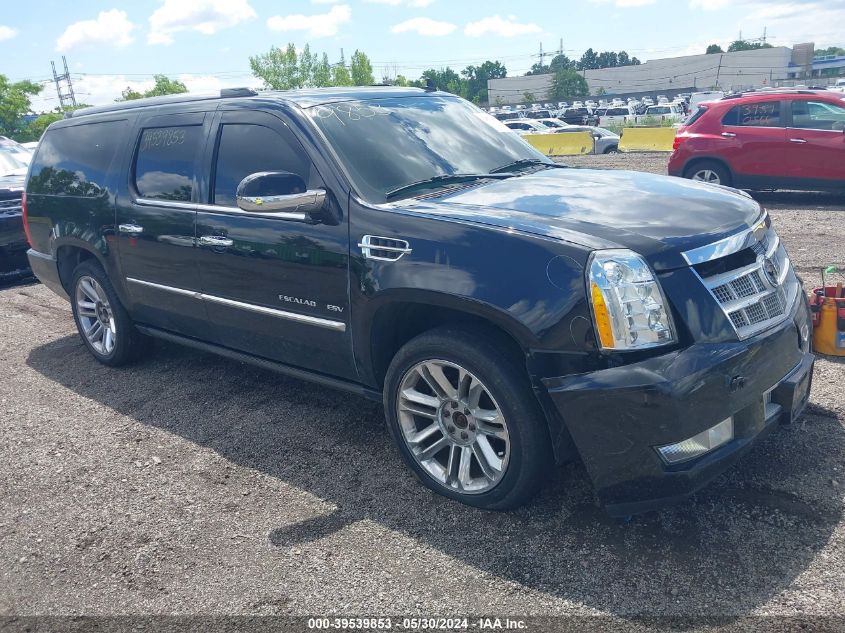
x,y
765,140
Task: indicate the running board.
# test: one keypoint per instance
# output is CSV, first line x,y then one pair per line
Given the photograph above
x,y
294,372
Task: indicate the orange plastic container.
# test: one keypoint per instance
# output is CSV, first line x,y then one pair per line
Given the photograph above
x,y
828,321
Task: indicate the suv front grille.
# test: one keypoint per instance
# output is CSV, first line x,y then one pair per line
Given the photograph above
x,y
758,295
9,207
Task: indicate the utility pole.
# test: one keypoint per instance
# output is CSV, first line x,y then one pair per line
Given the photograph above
x,y
66,99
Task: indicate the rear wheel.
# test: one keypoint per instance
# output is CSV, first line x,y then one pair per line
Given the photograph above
x,y
466,420
613,149
102,321
710,172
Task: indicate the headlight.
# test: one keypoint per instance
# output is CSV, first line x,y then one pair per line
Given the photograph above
x,y
629,309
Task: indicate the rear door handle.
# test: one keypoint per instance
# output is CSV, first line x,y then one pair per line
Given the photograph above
x,y
797,140
728,134
215,240
130,229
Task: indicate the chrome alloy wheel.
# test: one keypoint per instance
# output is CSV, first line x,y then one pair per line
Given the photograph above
x,y
453,426
707,175
95,315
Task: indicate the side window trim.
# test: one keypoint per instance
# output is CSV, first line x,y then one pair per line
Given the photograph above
x,y
269,120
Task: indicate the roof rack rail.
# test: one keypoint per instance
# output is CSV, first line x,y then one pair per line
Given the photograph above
x,y
225,93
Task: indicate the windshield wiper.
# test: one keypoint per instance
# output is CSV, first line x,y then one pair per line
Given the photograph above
x,y
442,179
523,162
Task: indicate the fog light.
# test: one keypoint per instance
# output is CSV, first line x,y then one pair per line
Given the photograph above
x,y
699,444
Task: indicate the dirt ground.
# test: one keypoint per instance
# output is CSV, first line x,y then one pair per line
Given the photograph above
x,y
190,484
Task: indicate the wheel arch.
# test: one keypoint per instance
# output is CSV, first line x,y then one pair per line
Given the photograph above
x,y
69,255
398,317
691,163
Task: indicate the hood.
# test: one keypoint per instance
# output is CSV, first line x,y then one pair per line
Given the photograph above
x,y
658,217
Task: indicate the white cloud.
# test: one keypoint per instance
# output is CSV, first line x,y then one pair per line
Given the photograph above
x,y
396,3
111,28
424,26
709,5
7,32
204,16
321,25
628,4
503,27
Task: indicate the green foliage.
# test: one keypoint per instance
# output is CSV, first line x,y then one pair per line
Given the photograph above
x,y
742,45
713,49
361,69
475,79
278,68
600,92
14,103
340,76
322,73
559,62
830,50
528,97
567,83
163,86
592,60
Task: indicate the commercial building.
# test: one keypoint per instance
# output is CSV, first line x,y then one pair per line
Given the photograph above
x,y
741,70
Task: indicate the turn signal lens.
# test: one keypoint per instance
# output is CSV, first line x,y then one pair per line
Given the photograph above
x,y
602,317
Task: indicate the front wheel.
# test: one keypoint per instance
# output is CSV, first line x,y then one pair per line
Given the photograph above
x,y
466,421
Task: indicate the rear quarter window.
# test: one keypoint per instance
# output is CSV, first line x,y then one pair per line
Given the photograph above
x,y
695,116
76,160
165,162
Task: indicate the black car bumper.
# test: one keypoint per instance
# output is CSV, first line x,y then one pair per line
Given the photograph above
x,y
46,269
617,417
13,261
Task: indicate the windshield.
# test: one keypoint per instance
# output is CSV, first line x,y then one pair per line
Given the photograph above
x,y
386,144
10,164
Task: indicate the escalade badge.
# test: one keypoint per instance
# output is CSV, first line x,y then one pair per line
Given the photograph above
x,y
771,272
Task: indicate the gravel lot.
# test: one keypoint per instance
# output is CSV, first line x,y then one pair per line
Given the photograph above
x,y
190,484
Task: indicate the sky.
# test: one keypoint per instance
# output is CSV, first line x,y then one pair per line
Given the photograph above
x,y
111,45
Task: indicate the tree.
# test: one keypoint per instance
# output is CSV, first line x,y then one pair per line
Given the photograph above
x,y
340,75
322,73
560,62
476,77
589,60
713,49
830,50
528,98
568,83
742,45
362,69
165,86
14,103
538,68
278,68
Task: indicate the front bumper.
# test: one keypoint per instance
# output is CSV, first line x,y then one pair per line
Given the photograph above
x,y
618,416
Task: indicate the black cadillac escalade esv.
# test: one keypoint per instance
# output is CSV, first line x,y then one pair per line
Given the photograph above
x,y
403,245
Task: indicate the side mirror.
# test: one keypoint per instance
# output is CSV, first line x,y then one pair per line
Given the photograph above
x,y
281,193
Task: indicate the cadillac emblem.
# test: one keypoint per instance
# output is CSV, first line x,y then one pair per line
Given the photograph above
x,y
771,272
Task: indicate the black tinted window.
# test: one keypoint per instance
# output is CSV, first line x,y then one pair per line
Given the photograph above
x,y
765,114
164,168
75,161
247,149
818,115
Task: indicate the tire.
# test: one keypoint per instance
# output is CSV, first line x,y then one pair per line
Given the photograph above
x,y
709,171
420,417
102,321
613,149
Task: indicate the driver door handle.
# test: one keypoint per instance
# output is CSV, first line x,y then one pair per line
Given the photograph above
x,y
797,140
130,229
728,134
215,240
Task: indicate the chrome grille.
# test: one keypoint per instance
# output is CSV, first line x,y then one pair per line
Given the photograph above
x,y
10,206
758,295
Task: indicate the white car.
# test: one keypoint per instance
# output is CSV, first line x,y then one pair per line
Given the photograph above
x,y
701,97
528,126
619,115
665,112
553,124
